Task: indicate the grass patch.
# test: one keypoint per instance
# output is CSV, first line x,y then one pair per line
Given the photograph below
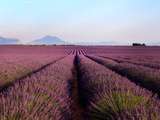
x,y
115,105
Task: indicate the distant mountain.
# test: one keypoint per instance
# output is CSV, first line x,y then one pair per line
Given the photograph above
x,y
8,41
48,40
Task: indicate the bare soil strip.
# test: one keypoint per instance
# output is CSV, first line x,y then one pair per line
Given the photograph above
x,y
76,107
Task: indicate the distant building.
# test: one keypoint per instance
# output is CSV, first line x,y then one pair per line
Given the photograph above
x,y
138,44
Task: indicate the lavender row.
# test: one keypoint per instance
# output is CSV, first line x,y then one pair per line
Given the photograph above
x,y
43,96
107,95
146,77
132,60
16,66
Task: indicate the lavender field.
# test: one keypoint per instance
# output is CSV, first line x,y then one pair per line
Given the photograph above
x,y
79,83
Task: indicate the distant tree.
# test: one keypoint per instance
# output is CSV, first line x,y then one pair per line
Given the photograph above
x,y
138,44
143,44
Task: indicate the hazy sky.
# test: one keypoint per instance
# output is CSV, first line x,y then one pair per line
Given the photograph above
x,y
112,21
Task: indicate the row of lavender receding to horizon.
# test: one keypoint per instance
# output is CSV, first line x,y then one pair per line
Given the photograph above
x,y
144,76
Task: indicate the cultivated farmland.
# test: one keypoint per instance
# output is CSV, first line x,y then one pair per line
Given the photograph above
x,y
79,83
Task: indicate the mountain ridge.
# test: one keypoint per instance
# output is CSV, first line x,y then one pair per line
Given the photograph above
x,y
8,41
48,40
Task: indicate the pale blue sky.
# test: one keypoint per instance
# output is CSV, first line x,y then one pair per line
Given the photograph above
x,y
117,21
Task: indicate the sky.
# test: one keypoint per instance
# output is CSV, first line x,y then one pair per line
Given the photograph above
x,y
109,21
